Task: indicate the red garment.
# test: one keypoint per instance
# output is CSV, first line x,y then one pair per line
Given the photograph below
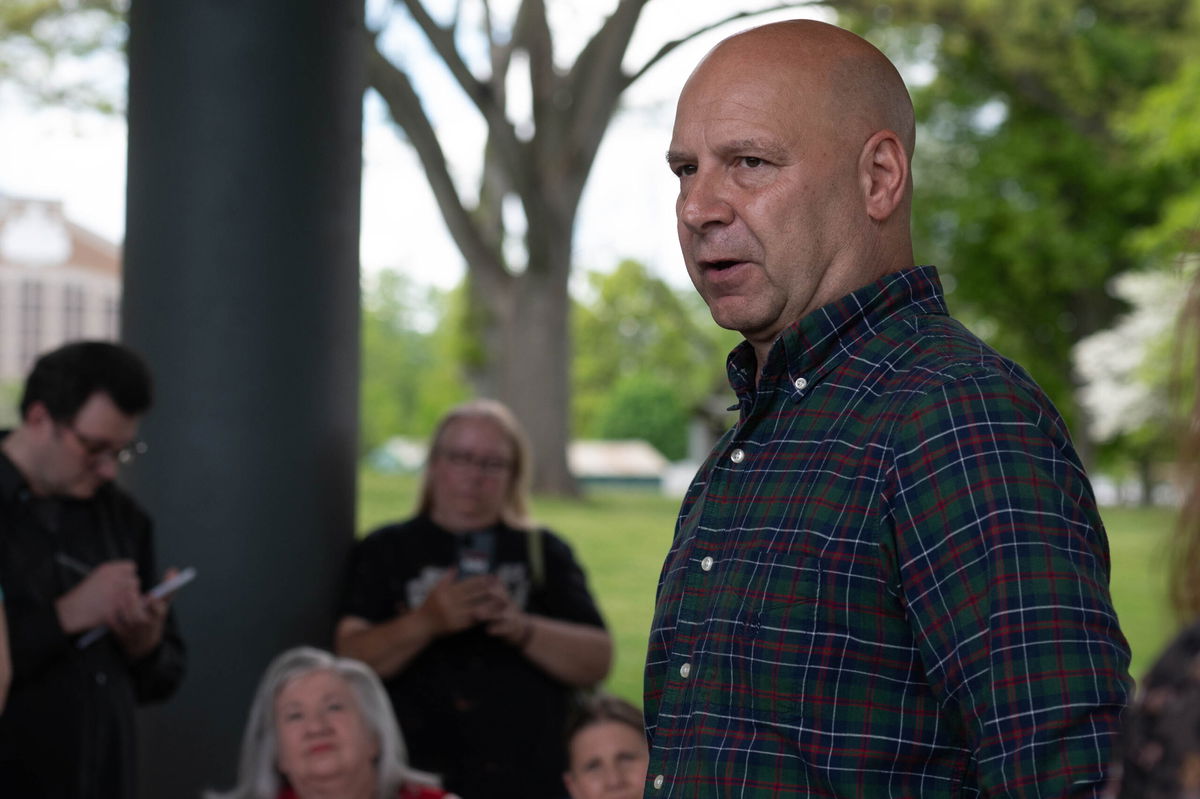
x,y
421,792
407,792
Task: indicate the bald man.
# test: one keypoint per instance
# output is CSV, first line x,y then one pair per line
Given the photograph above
x,y
889,579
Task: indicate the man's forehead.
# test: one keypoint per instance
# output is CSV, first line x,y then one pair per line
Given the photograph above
x,y
767,98
716,119
100,410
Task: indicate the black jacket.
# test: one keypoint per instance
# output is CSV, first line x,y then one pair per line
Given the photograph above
x,y
68,729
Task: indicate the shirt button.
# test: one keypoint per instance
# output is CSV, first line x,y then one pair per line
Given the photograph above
x,y
737,456
685,670
800,384
101,678
707,563
658,782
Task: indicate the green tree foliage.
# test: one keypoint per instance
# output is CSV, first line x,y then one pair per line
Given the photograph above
x,y
49,50
644,405
409,373
1026,194
633,336
1164,129
10,398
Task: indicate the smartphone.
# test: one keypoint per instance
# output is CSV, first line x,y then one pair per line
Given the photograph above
x,y
476,553
173,584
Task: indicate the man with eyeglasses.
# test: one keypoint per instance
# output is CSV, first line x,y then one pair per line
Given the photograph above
x,y
76,558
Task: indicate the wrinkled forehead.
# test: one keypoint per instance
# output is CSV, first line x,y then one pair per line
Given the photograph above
x,y
737,74
719,107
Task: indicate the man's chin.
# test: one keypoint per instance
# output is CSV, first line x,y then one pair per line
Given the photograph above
x,y
732,313
83,490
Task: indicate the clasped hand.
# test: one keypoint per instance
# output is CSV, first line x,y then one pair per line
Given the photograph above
x,y
454,605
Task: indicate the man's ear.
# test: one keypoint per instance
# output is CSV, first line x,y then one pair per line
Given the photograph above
x,y
37,415
883,172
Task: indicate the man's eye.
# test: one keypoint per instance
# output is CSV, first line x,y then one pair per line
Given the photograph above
x,y
752,162
684,170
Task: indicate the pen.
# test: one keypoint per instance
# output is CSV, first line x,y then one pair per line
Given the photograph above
x,y
71,563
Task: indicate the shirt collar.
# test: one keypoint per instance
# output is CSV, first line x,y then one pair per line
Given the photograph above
x,y
812,347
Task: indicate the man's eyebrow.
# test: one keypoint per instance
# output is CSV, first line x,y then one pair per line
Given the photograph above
x,y
771,150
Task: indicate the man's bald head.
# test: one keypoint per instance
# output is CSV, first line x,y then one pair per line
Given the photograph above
x,y
859,89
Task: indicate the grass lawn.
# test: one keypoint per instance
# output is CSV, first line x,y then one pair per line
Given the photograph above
x,y
621,537
1137,539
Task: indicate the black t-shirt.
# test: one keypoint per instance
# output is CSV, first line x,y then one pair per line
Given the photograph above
x,y
471,707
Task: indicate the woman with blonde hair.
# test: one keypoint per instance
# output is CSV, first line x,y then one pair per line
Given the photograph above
x,y
321,726
479,622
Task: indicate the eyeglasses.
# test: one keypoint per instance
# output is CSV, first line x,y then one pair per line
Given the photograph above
x,y
98,449
488,464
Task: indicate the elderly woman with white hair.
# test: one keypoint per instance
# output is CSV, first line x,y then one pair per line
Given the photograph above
x,y
321,727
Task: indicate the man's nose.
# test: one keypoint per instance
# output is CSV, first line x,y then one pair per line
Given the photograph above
x,y
107,468
703,202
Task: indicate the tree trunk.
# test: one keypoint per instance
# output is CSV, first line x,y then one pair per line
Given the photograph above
x,y
535,376
523,324
1145,467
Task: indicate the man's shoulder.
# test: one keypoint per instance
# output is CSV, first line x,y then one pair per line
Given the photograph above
x,y
936,349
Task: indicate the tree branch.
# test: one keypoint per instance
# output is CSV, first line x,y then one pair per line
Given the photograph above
x,y
503,137
670,46
532,32
594,84
396,89
603,53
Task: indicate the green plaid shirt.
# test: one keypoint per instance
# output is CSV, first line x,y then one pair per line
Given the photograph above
x,y
889,579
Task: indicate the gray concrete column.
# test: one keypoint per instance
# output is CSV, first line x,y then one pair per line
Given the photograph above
x,y
241,289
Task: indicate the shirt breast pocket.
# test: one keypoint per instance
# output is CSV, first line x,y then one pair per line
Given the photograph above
x,y
771,653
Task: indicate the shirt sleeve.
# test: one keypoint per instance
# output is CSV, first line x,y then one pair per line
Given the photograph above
x,y
564,594
365,591
35,637
1004,567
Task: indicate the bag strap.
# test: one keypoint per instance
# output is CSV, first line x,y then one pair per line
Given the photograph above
x,y
537,556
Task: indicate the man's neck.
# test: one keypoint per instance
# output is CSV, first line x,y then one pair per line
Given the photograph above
x,y
16,447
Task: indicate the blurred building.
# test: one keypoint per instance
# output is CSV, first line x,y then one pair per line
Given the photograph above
x,y
58,282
